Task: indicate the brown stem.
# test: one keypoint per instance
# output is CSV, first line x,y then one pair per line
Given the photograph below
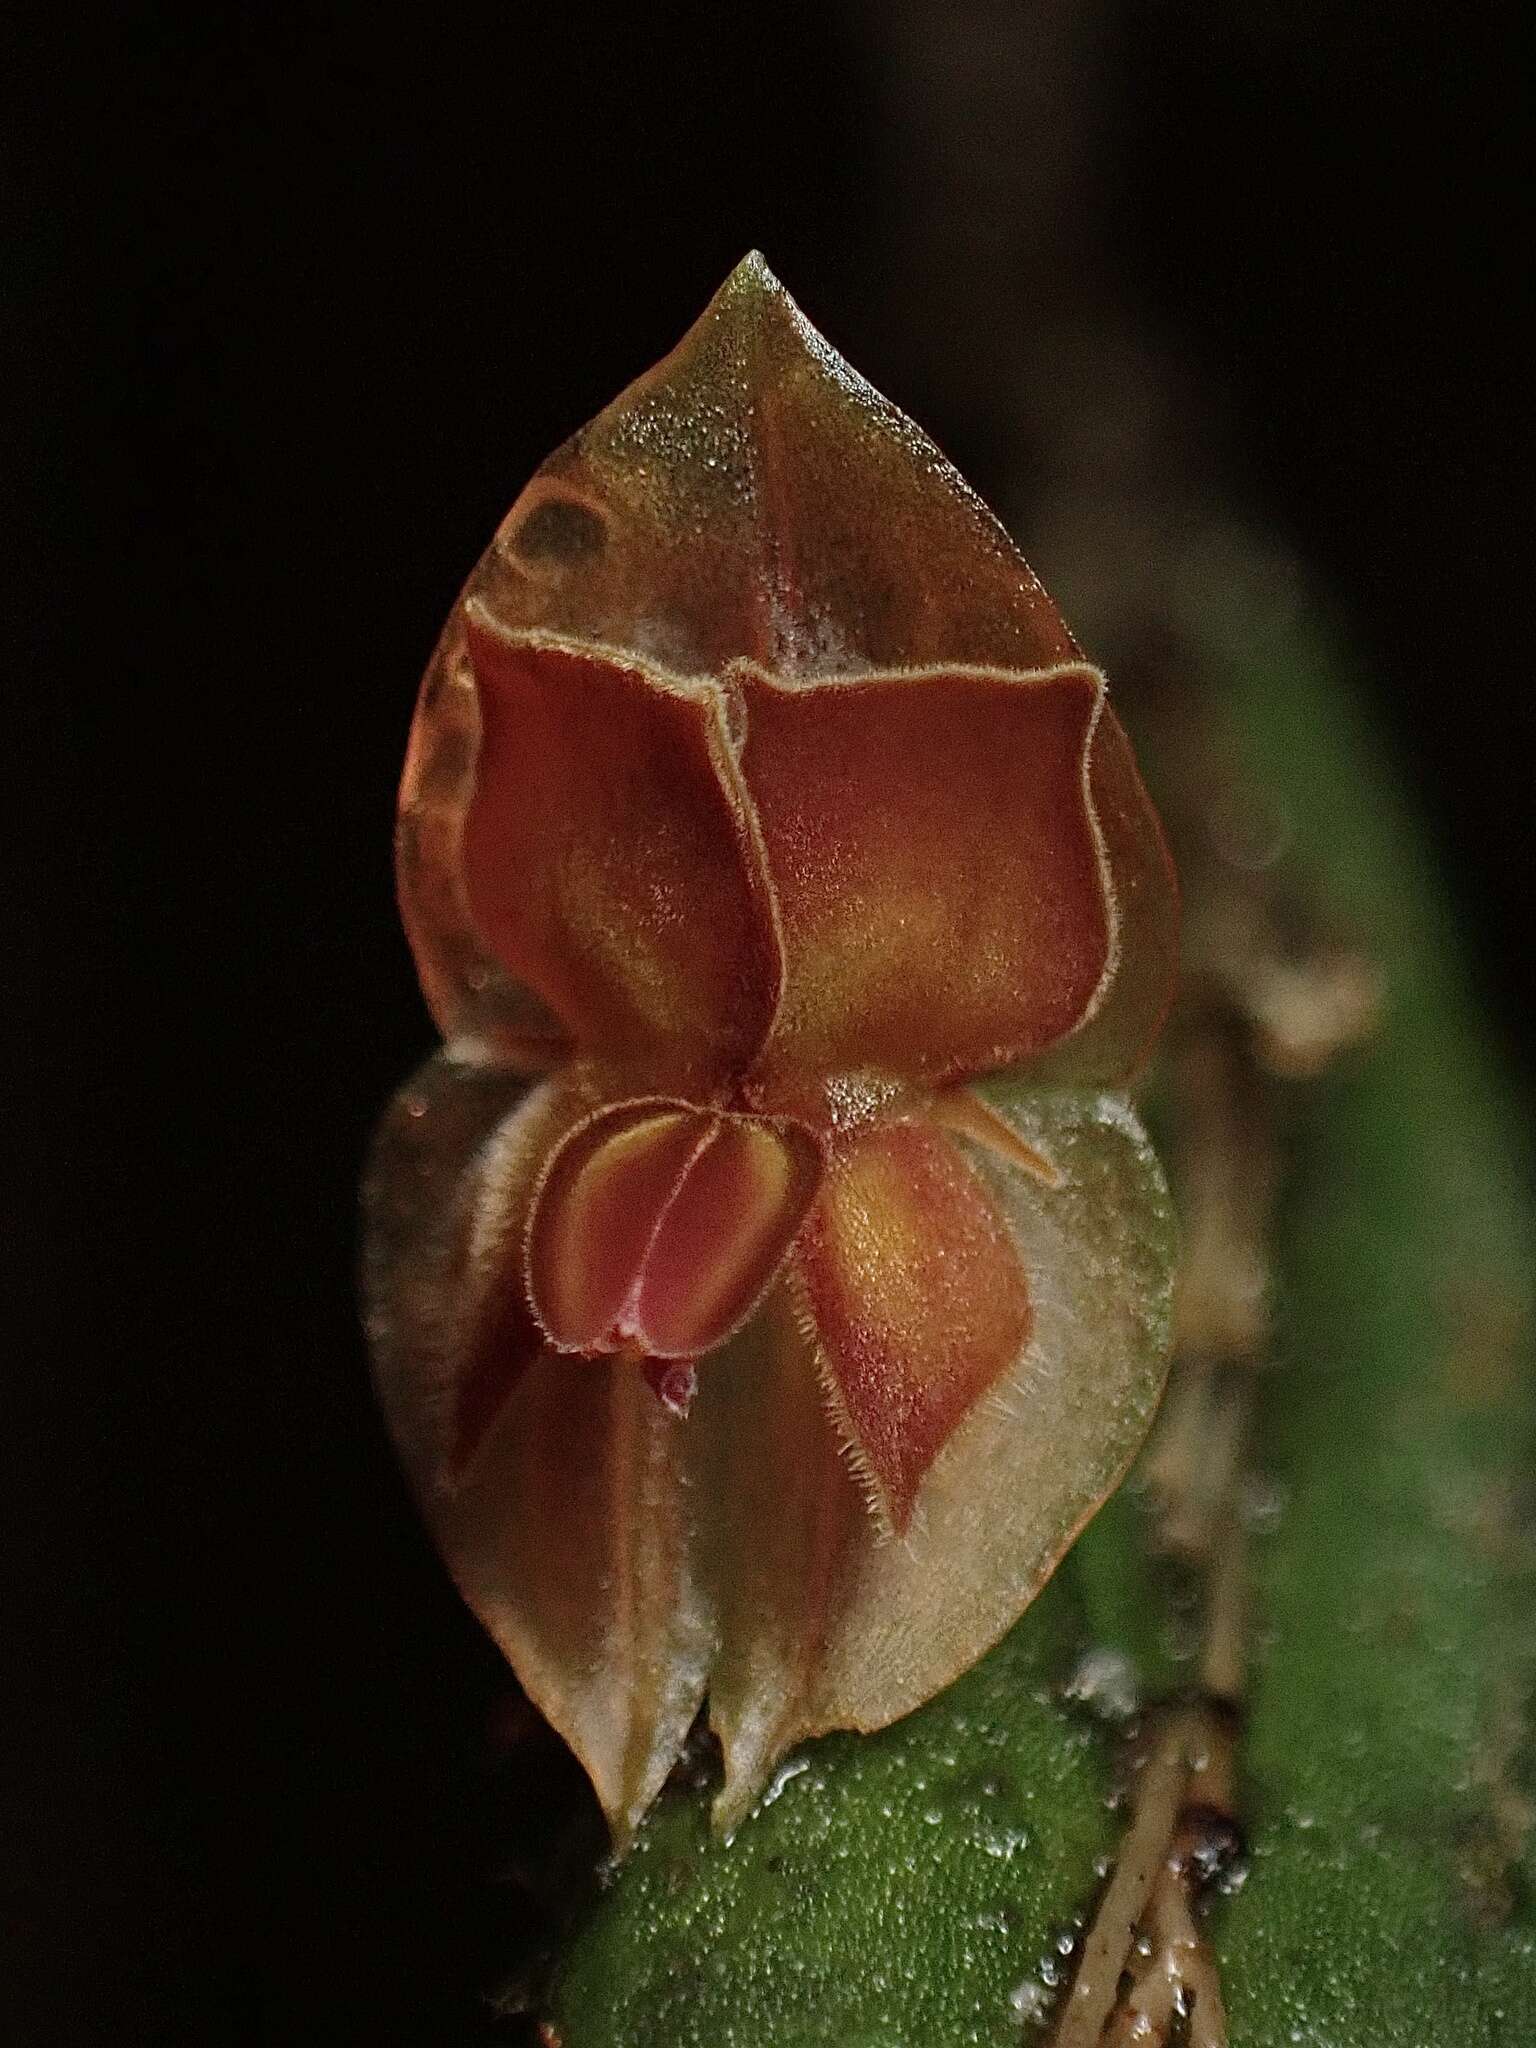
x,y
1146,1968
1158,1799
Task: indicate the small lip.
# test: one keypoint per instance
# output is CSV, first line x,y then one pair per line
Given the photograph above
x,y
657,1226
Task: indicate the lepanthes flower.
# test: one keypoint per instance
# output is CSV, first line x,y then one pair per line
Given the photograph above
x,y
767,1281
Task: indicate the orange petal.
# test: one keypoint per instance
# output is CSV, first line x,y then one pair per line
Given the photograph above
x,y
937,867
824,1625
1116,1041
748,498
916,1296
657,1227
610,861
749,495
567,1532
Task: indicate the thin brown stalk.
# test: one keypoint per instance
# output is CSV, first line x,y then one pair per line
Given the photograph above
x,y
1158,1797
1147,1971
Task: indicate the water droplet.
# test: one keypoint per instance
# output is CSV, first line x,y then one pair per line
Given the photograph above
x,y
1004,1843
1029,1999
1105,1680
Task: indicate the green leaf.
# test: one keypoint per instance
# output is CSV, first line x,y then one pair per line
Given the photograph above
x,y
916,1888
1388,1727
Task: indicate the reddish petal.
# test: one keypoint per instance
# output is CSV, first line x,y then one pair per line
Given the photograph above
x,y
917,1297
1117,1040
937,867
821,1623
750,497
468,991
571,1542
610,861
657,1227
568,1532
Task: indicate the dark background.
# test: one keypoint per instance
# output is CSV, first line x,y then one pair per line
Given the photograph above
x,y
296,303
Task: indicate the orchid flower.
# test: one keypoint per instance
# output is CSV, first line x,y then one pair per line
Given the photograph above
x,y
768,1279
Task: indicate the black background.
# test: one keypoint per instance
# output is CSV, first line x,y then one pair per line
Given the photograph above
x,y
298,299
